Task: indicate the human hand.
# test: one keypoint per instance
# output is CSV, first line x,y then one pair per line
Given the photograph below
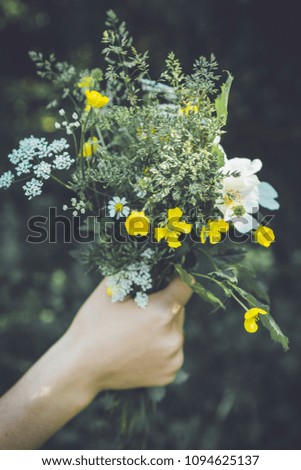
x,y
108,346
121,346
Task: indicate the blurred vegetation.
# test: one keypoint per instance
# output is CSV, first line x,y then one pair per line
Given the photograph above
x,y
243,391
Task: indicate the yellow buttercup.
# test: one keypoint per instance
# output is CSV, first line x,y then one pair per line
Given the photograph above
x,y
251,319
96,99
173,229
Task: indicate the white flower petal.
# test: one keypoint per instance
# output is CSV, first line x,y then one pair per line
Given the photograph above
x,y
245,224
256,165
267,195
251,201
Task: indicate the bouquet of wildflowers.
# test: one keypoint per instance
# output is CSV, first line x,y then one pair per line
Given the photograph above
x,y
147,173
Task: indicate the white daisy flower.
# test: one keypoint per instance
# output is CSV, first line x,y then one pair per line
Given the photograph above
x,y
117,207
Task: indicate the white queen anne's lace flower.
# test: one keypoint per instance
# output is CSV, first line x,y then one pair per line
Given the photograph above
x,y
6,180
117,207
63,162
29,148
42,170
141,299
33,188
57,146
29,158
148,254
136,277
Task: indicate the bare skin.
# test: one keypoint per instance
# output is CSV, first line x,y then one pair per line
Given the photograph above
x,y
108,346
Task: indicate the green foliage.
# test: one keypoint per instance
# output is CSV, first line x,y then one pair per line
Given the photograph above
x,y
204,77
226,374
126,67
267,320
275,332
221,101
173,74
156,146
200,290
60,73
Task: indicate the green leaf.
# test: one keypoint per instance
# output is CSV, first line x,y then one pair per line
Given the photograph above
x,y
230,274
275,332
267,320
219,154
223,254
207,295
204,293
252,301
185,276
221,102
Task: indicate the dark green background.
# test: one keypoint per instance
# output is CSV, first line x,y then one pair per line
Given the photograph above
x,y
243,391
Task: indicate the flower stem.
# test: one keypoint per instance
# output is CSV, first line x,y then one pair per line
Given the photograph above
x,y
220,284
60,182
238,300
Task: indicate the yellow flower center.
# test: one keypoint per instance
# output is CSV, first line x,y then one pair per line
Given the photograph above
x,y
231,197
118,207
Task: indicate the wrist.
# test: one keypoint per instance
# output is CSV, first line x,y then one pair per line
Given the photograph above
x,y
49,395
73,376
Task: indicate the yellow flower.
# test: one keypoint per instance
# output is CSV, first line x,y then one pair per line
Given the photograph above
x,y
84,82
109,291
264,236
173,229
90,147
137,224
190,108
96,99
251,319
213,231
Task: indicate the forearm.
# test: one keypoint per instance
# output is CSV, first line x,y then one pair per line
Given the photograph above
x,y
51,393
108,346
